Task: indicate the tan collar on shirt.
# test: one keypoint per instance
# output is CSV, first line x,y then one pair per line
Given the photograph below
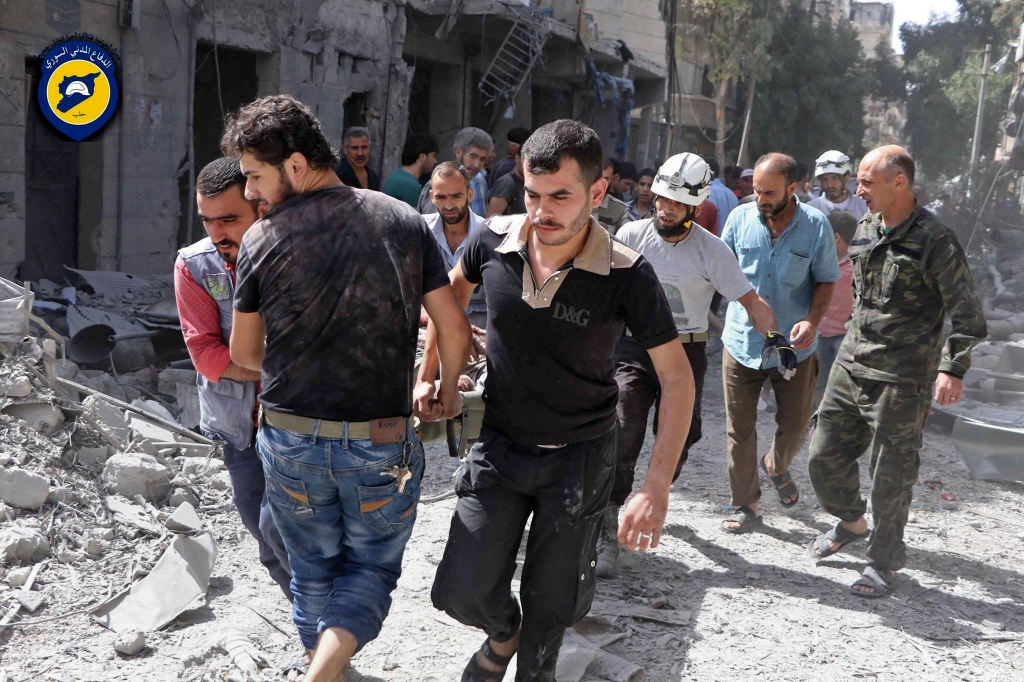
x,y
600,253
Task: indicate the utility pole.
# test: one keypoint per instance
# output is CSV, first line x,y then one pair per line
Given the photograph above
x,y
745,140
977,120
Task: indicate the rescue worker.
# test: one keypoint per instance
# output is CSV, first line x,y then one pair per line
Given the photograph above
x,y
204,283
909,273
691,264
559,291
833,170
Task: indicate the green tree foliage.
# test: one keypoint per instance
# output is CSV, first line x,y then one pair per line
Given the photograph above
x,y
812,97
943,66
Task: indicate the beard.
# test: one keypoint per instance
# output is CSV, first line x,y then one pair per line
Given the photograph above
x,y
228,258
459,217
571,230
775,209
677,229
834,194
285,189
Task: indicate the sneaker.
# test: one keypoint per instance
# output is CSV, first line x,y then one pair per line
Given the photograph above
x,y
608,543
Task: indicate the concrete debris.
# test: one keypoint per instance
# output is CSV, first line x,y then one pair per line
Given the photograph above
x,y
131,474
130,642
43,417
131,514
184,520
7,513
16,577
221,481
93,456
22,544
581,659
109,416
180,496
30,601
16,387
993,624
244,655
199,467
23,489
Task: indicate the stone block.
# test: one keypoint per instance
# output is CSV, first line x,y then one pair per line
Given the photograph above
x,y
16,577
16,386
43,417
22,544
129,642
131,474
93,456
109,416
23,489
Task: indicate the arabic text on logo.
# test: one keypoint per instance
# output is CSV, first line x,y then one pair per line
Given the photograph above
x,y
78,89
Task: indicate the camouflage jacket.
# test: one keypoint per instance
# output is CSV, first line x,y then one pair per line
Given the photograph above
x,y
904,284
612,213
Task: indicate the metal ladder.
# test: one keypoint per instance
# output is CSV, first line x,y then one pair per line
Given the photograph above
x,y
518,55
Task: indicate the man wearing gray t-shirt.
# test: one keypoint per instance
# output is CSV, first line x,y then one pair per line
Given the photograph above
x,y
833,172
691,264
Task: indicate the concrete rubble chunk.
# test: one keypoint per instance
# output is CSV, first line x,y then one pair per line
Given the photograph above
x,y
109,416
132,473
181,496
16,387
16,577
22,544
65,369
23,489
30,600
169,378
184,519
93,456
43,417
130,642
221,481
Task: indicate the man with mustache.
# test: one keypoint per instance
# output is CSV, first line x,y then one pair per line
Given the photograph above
x,y
787,251
353,169
692,265
472,148
204,284
560,293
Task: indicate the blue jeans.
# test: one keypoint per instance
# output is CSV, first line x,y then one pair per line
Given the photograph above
x,y
345,525
828,349
247,484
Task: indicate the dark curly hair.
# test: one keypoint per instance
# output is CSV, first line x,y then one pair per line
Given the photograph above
x,y
273,128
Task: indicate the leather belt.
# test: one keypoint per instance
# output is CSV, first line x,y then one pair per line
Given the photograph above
x,y
328,429
702,337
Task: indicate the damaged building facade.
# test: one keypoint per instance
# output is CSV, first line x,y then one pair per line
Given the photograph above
x,y
123,198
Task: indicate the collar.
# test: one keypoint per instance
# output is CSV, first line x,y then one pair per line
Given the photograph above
x,y
901,229
595,257
435,223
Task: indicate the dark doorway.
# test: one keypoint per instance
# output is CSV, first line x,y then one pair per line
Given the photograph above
x,y
419,96
355,109
239,84
51,194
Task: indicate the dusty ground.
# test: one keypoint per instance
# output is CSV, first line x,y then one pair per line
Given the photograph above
x,y
760,607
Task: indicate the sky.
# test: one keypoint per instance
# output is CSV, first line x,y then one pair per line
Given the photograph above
x,y
916,11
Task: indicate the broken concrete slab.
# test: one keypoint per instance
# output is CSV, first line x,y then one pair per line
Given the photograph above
x,y
990,451
22,544
109,416
181,496
44,417
30,600
179,578
93,456
168,380
132,473
16,386
16,577
184,519
131,514
23,489
130,642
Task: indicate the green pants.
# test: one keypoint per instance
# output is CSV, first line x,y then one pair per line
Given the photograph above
x,y
888,417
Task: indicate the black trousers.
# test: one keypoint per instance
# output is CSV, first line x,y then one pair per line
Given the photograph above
x,y
501,483
639,389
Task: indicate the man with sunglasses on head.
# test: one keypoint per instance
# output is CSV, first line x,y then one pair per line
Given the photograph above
x,y
691,264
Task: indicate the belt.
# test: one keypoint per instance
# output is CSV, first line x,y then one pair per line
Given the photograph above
x,y
328,429
694,338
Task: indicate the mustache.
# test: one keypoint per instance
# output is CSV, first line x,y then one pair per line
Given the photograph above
x,y
545,223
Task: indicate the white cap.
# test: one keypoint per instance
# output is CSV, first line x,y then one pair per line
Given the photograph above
x,y
747,173
685,178
832,161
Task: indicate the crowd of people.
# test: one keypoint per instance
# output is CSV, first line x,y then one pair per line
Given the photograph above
x,y
593,286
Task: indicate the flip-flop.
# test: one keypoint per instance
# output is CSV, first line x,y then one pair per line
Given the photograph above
x,y
819,547
747,519
784,485
875,579
475,672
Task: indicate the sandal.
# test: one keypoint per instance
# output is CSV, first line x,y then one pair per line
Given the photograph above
x,y
784,485
747,519
878,579
819,547
475,672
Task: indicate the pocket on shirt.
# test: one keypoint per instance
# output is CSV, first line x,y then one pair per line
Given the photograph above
x,y
796,270
890,274
748,257
858,277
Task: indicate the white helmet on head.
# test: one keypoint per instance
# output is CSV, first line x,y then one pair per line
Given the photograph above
x,y
832,161
685,178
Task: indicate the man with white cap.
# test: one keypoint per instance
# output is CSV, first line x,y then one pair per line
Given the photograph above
x,y
833,170
691,265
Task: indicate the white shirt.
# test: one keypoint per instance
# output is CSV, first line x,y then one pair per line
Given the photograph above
x,y
854,204
477,302
690,271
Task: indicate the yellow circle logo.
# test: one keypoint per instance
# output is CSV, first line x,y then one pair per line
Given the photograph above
x,y
78,92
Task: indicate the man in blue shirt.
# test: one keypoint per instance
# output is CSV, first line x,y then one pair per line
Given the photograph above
x,y
787,251
722,197
472,146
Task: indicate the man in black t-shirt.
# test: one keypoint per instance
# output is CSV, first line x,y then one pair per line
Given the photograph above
x,y
507,192
329,287
560,293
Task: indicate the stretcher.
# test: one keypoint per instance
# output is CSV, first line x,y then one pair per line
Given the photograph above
x,y
461,431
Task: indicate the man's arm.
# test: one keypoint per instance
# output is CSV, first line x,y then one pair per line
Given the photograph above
x,y
248,340
645,513
804,331
238,373
439,351
960,299
762,318
496,206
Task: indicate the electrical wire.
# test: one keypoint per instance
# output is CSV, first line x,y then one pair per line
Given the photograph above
x,y
992,187
177,44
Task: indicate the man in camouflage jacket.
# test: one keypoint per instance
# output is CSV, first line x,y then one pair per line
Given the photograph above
x,y
909,272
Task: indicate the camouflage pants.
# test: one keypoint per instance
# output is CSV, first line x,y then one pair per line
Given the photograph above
x,y
856,414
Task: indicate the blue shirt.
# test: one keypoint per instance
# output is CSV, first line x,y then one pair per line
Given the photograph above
x,y
477,302
724,200
479,185
783,274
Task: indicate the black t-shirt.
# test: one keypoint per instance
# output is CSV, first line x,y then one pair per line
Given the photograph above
x,y
550,375
510,187
338,275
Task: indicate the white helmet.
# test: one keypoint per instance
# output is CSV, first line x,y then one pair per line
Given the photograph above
x,y
685,178
832,161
